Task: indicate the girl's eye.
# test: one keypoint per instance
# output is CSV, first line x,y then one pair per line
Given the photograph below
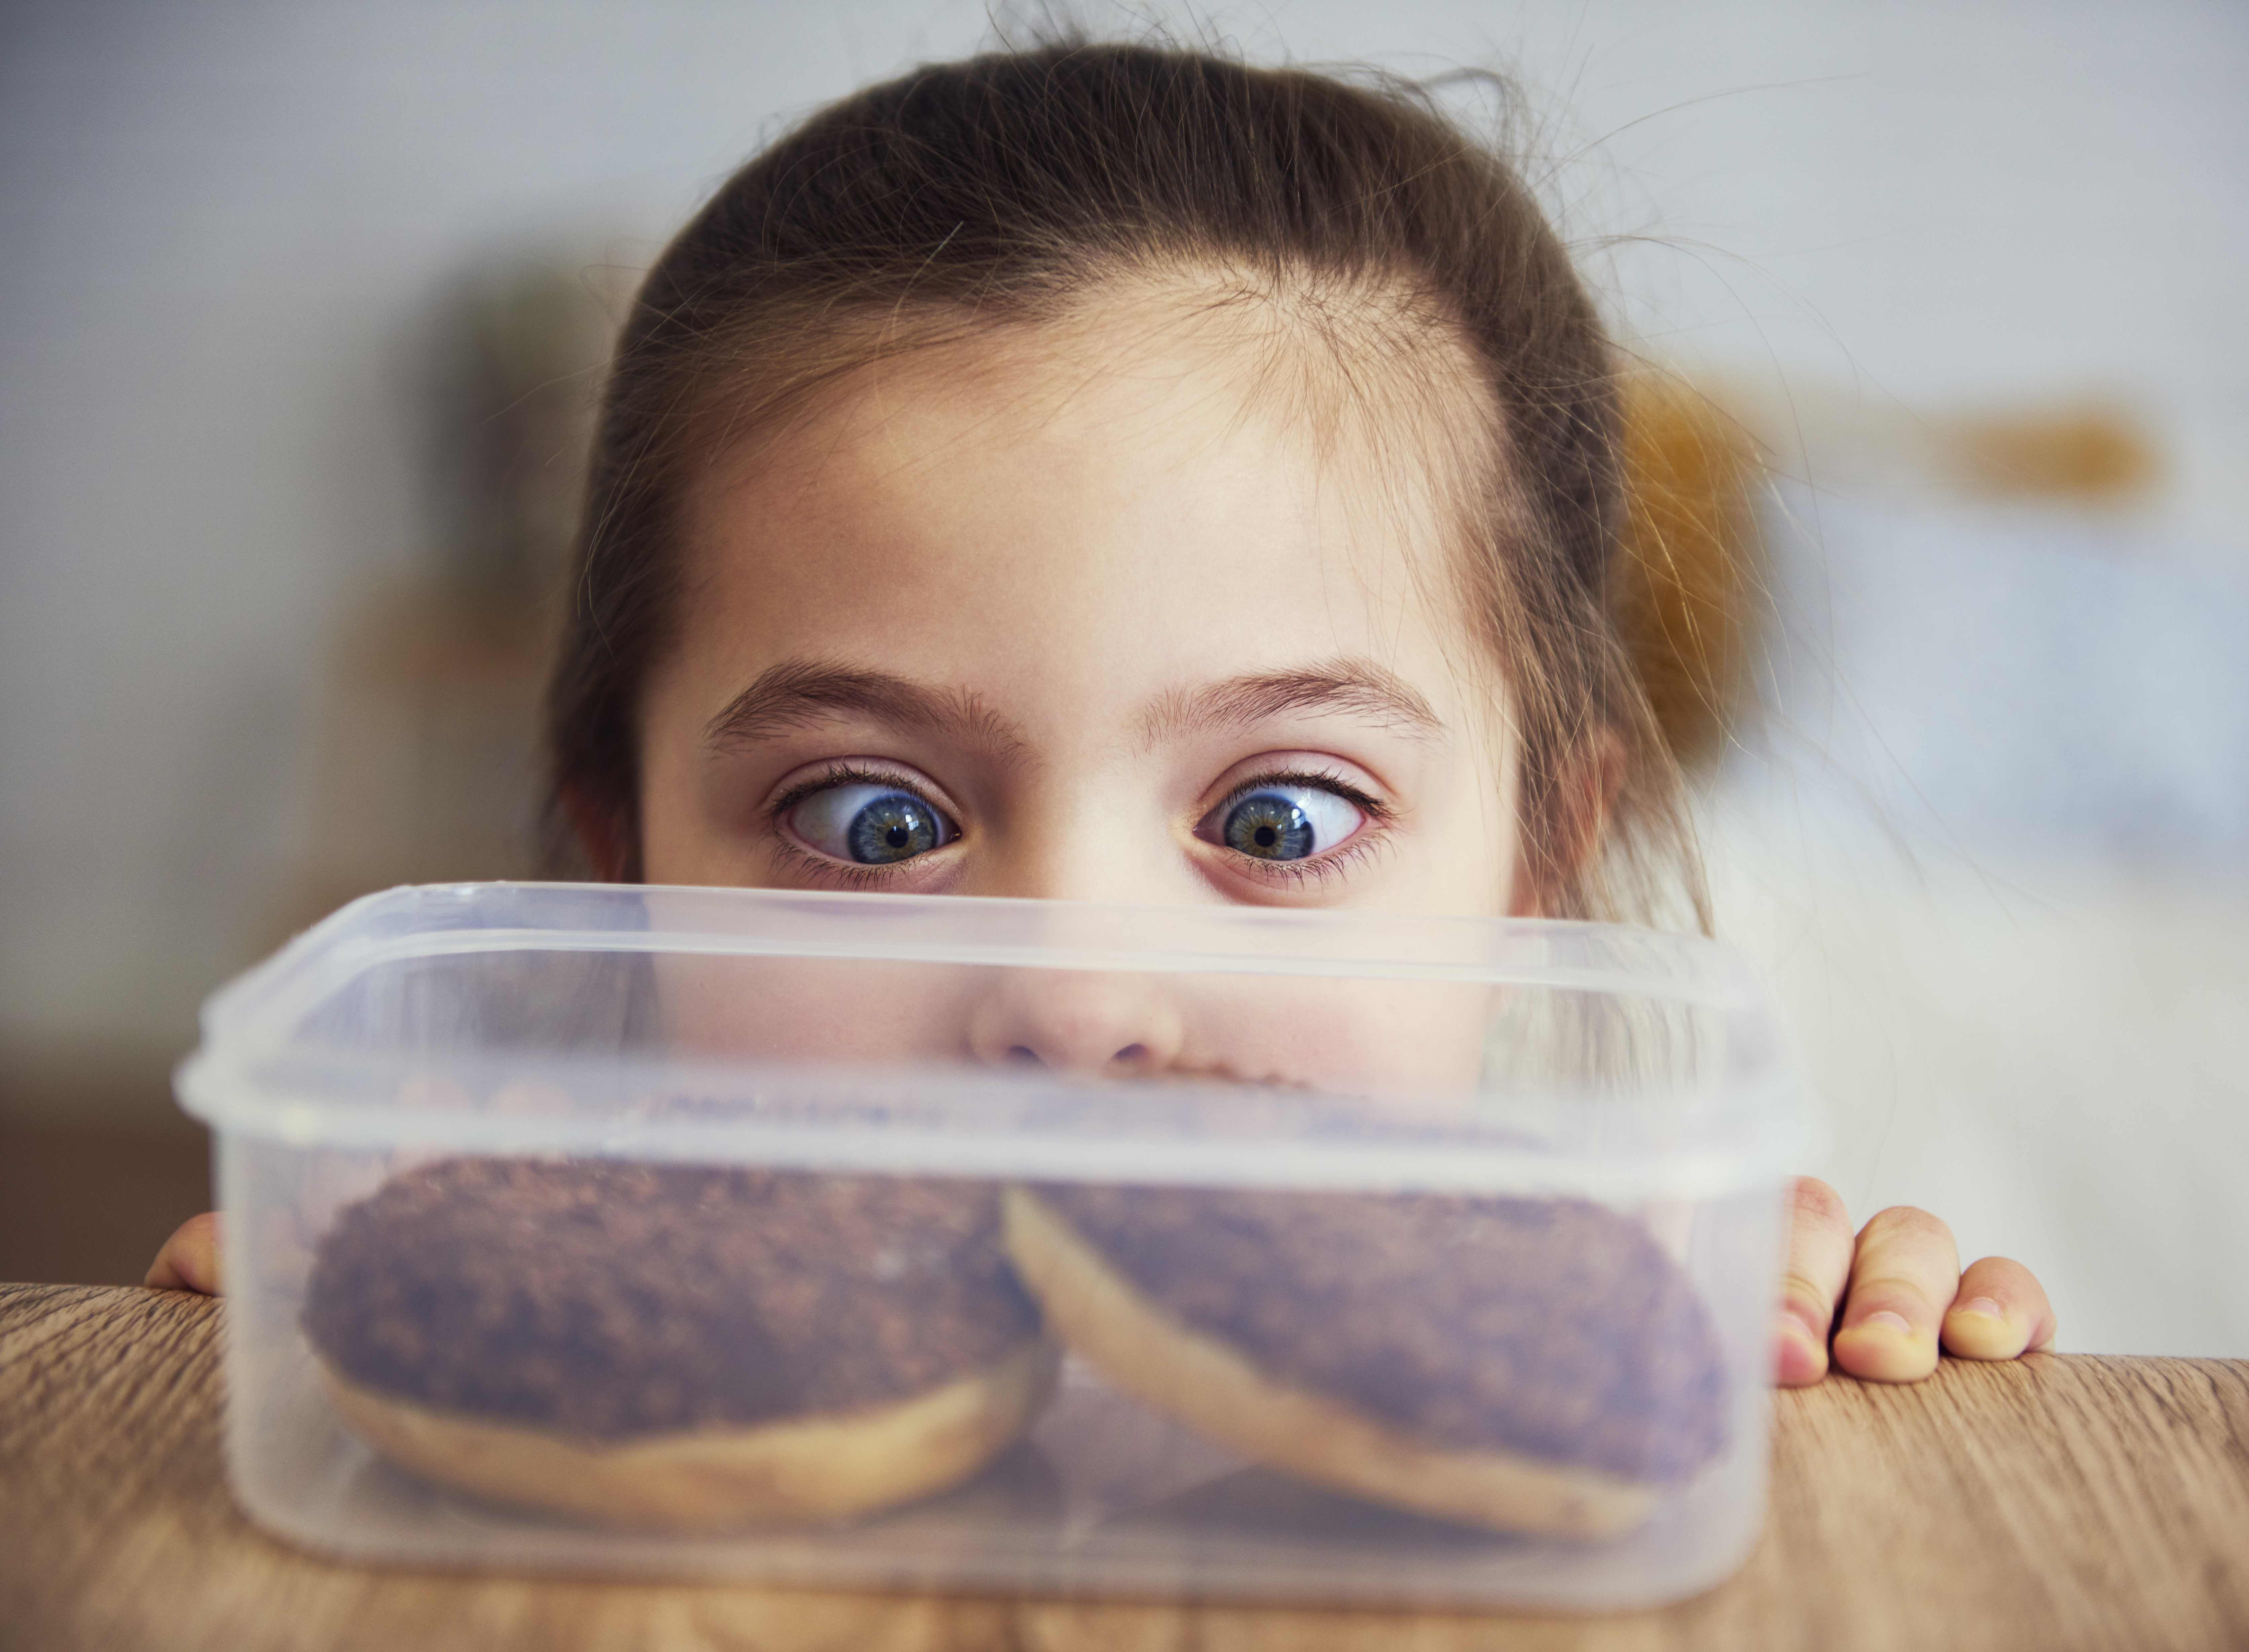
x,y
872,825
1287,822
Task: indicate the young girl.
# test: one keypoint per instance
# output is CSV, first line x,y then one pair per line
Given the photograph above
x,y
1119,473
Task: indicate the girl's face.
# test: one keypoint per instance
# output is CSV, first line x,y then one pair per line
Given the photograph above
x,y
1123,609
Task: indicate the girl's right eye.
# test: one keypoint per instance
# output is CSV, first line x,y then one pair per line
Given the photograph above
x,y
871,825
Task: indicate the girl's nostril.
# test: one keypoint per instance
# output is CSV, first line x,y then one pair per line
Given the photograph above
x,y
1130,1055
1023,1056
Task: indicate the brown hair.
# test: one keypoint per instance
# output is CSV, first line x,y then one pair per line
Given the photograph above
x,y
996,191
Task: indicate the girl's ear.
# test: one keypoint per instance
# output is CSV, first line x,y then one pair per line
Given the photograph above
x,y
599,834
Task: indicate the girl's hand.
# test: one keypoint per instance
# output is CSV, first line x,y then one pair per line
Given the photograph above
x,y
190,1258
1888,1296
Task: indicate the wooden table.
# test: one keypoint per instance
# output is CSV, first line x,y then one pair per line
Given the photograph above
x,y
2062,1501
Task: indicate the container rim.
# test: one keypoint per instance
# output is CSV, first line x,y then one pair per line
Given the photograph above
x,y
252,1072
418,921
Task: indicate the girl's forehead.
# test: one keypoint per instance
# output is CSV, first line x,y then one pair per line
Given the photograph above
x,y
1145,490
1161,369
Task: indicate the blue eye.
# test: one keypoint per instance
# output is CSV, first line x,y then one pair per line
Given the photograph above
x,y
1287,822
871,825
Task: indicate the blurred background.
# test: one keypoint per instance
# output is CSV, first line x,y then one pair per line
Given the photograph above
x,y
302,306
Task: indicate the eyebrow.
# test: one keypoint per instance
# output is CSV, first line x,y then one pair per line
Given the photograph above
x,y
798,694
1352,688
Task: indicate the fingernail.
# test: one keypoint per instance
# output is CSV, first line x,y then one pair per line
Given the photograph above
x,y
1807,1323
1984,1307
1888,1321
1799,1356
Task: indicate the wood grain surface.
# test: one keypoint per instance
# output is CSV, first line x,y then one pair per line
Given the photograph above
x,y
2064,1501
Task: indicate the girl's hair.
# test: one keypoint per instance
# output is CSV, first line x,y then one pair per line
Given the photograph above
x,y
1000,191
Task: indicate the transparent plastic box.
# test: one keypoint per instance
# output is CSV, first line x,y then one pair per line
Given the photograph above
x,y
957,1243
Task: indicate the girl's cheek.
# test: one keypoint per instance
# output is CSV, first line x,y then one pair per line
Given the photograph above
x,y
696,829
1455,865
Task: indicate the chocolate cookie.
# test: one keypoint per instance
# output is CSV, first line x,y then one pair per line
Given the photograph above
x,y
1525,1364
677,1344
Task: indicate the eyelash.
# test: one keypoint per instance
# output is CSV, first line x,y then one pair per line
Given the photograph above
x,y
846,874
1314,868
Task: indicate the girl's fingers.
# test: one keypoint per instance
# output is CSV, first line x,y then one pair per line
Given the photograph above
x,y
1904,1277
2001,1311
1818,1264
190,1258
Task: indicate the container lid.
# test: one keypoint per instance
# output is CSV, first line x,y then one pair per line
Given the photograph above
x,y
1209,1044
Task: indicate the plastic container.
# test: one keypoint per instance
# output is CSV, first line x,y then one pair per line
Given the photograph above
x,y
1288,1256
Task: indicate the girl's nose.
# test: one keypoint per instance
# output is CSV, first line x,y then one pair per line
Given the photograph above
x,y
1079,1023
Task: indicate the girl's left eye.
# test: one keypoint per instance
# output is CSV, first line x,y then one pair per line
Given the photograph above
x,y
871,825
1281,822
